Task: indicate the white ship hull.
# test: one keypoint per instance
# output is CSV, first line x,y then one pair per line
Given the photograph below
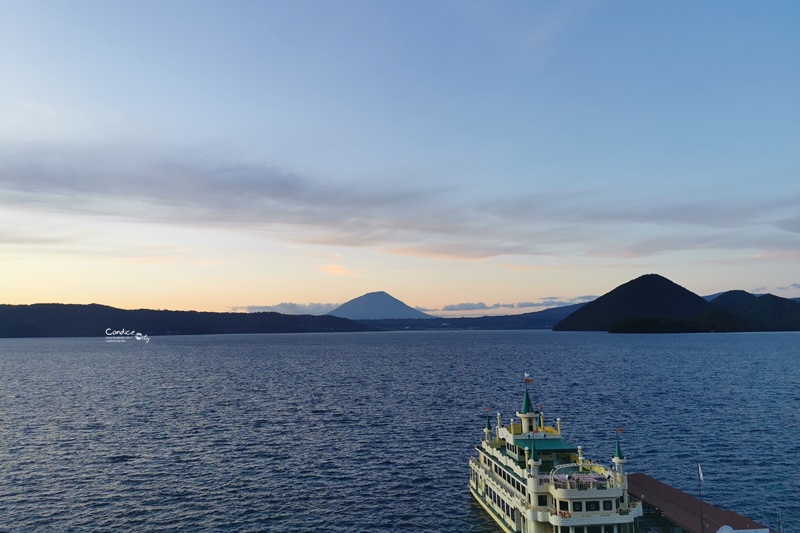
x,y
530,480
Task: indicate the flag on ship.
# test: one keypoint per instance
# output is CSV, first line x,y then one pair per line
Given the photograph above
x,y
528,378
700,472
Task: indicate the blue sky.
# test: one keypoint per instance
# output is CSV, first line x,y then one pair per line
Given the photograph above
x,y
210,155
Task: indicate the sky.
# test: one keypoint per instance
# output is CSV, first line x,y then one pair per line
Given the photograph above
x,y
467,157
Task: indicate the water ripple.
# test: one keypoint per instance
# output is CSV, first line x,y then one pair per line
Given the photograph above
x,y
371,432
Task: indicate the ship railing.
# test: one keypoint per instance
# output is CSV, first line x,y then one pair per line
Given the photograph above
x,y
589,514
505,487
578,485
474,461
631,508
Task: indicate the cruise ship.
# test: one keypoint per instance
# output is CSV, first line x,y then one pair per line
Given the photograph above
x,y
530,480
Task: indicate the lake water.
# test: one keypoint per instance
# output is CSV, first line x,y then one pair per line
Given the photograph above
x,y
372,431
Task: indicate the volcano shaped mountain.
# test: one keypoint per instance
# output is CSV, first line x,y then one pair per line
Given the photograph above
x,y
376,306
654,304
665,305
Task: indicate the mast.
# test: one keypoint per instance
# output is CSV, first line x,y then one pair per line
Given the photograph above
x,y
700,492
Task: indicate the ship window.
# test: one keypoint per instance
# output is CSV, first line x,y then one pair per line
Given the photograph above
x,y
607,505
577,506
563,505
593,506
595,529
543,500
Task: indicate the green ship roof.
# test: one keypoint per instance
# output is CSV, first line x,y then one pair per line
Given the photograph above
x,y
548,445
526,404
618,451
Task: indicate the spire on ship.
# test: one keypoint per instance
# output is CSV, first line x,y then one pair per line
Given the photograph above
x,y
527,407
618,459
526,414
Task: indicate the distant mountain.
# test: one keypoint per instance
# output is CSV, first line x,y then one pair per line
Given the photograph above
x,y
536,320
732,300
377,306
654,304
765,312
649,296
712,297
66,320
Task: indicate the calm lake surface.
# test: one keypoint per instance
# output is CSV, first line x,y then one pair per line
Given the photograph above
x,y
372,431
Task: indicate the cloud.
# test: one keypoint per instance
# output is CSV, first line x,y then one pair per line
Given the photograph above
x,y
288,308
468,307
543,303
479,306
554,301
789,224
195,188
336,270
10,236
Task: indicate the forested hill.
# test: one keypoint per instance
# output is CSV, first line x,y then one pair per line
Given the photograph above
x,y
68,320
654,304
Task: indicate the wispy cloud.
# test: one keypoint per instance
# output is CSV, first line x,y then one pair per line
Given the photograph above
x,y
188,188
543,303
479,306
336,270
13,236
289,308
556,301
791,224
